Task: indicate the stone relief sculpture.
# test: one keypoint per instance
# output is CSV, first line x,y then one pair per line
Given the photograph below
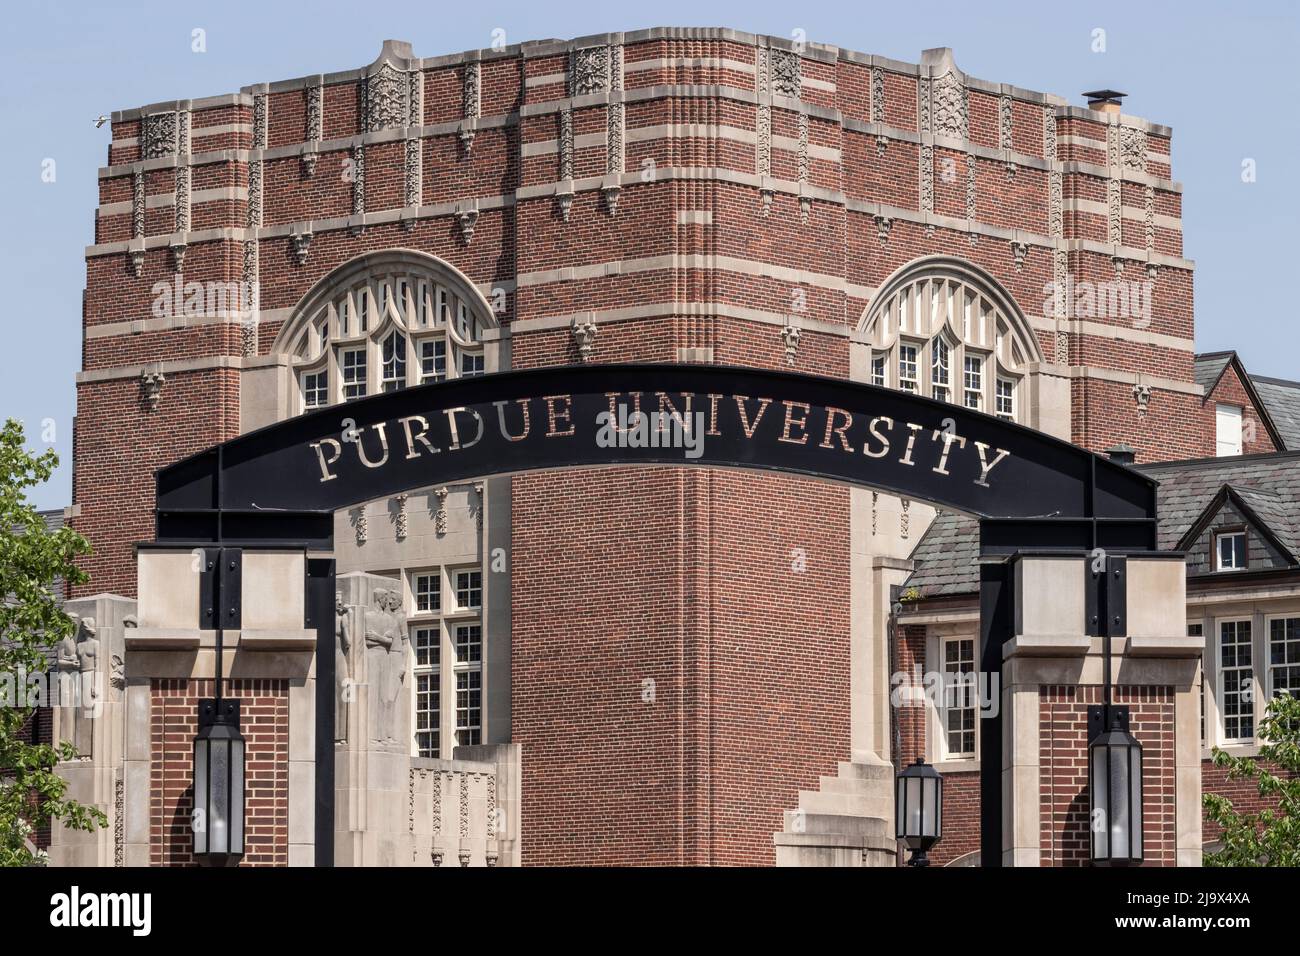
x,y
385,663
342,667
77,660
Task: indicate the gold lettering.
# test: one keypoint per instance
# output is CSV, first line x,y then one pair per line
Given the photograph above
x,y
324,464
831,412
744,415
663,419
985,467
381,430
633,420
554,416
421,436
455,434
713,416
501,417
884,442
948,438
801,423
911,441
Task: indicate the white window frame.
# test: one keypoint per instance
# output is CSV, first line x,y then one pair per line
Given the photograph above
x,y
434,576
1269,620
1239,533
941,355
968,694
976,377
1009,412
913,383
344,368
1221,691
323,388
470,589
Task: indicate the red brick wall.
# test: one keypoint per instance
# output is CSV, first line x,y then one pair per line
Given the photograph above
x,y
1255,438
624,575
1063,770
264,722
1244,795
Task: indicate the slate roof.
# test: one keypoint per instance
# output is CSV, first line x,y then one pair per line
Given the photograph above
x,y
1207,368
1269,484
1282,401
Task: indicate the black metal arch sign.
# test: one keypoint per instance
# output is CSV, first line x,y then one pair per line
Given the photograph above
x,y
265,483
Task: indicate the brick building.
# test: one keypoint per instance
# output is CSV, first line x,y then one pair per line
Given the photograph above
x,y
660,661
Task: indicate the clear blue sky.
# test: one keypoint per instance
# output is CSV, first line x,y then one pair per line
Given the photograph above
x,y
1223,75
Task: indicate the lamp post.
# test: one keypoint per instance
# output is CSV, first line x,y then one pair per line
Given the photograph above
x,y
1114,754
918,810
219,784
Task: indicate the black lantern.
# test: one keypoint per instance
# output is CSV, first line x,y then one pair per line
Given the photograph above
x,y
218,821
918,810
1114,788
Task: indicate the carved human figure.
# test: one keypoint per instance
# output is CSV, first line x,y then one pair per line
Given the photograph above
x,y
77,661
385,663
342,666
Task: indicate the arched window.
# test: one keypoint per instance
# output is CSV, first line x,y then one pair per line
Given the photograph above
x,y
941,327
384,322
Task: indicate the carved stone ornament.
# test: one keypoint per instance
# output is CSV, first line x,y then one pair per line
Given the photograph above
x,y
158,135
358,184
589,71
1133,148
261,119
564,202
805,208
182,219
786,73
385,92
1049,133
152,383
137,261
178,255
1019,250
790,338
763,154
301,245
948,95
309,159
584,335
402,523
440,516
360,525
611,192
927,178
468,219
315,112
883,225
1142,396
137,204
767,193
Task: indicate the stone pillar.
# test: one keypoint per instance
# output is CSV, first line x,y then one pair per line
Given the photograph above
x,y
1052,671
90,667
373,763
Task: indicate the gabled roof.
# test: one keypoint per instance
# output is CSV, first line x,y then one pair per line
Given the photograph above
x,y
1208,369
1268,485
1265,487
1265,510
1282,399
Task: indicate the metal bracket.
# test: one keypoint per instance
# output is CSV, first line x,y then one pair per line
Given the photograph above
x,y
224,711
1105,589
1102,718
231,584
207,558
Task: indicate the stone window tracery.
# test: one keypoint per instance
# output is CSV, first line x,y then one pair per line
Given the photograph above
x,y
941,315
385,329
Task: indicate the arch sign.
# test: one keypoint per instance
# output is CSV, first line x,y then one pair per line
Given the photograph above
x,y
604,415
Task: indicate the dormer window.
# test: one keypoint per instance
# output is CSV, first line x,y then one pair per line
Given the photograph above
x,y
1230,551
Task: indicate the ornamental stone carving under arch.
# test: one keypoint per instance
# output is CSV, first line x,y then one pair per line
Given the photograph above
x,y
382,322
943,328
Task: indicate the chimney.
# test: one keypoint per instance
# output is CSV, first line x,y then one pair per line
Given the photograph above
x,y
1121,454
1105,101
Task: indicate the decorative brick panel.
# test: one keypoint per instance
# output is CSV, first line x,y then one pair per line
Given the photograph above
x,y
1063,770
264,722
